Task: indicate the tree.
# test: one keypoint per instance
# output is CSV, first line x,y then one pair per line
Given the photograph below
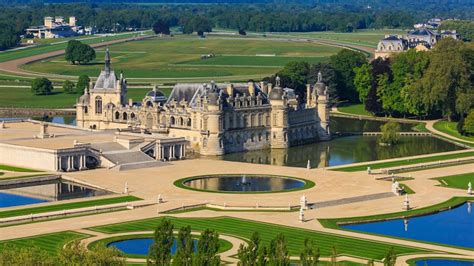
x,y
344,63
76,253
13,255
185,248
329,78
208,246
310,255
295,75
41,86
334,255
82,83
161,27
390,133
363,81
68,87
242,32
391,258
160,250
248,255
77,52
278,251
469,123
8,36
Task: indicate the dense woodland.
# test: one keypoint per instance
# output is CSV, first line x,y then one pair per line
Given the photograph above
x,y
321,16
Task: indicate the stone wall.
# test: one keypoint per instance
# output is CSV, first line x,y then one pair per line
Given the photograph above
x,y
27,112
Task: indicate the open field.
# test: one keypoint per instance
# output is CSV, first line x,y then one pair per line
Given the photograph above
x,y
294,236
450,128
180,57
375,165
368,38
49,243
67,206
49,47
456,181
354,109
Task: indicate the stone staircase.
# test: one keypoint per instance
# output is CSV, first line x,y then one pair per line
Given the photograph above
x,y
131,159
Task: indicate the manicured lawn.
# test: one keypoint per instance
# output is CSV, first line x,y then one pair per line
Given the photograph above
x,y
50,243
24,98
403,162
456,181
407,189
450,128
16,169
180,57
45,48
421,127
295,236
453,202
354,109
67,206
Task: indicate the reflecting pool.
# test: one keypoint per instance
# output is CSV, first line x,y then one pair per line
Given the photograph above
x,y
342,124
43,191
140,246
244,183
344,150
451,227
65,119
443,262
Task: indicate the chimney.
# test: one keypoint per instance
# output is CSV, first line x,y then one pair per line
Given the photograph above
x,y
263,87
308,94
130,102
251,88
269,88
230,89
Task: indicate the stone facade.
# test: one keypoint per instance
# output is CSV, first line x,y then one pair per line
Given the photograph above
x,y
214,118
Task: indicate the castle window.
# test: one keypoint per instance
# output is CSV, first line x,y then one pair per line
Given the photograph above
x,y
125,116
149,104
98,105
117,115
86,109
180,121
172,120
189,122
132,116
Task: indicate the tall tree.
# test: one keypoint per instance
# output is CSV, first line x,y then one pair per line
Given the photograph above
x,y
310,254
278,251
295,75
363,81
248,255
82,83
161,27
185,248
160,250
208,246
68,87
469,123
344,63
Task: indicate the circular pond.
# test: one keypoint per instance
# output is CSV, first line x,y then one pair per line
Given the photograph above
x,y
139,246
238,183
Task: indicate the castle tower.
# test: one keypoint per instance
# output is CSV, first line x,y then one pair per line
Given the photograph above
x,y
278,117
214,143
48,22
320,96
72,21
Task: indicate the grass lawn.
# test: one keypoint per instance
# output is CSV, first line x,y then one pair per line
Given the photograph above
x,y
67,206
180,57
450,128
403,162
16,169
421,127
24,98
453,202
295,236
50,47
51,243
354,109
456,181
369,38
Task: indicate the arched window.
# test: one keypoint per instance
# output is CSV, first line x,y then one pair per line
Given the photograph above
x,y
86,109
149,104
132,115
180,121
98,105
117,115
125,116
189,122
172,120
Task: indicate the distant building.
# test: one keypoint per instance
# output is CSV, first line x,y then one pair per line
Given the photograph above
x,y
420,39
56,28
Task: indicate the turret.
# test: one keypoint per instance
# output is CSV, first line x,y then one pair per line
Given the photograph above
x,y
320,93
212,144
278,117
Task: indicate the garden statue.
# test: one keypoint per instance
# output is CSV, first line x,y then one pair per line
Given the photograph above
x,y
301,215
304,202
406,203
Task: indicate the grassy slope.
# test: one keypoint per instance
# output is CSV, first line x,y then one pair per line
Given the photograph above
x,y
456,181
333,223
450,128
67,206
16,169
50,243
245,228
354,109
375,165
163,58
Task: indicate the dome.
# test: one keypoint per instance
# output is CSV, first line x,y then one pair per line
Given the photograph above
x,y
84,99
276,94
320,87
154,93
